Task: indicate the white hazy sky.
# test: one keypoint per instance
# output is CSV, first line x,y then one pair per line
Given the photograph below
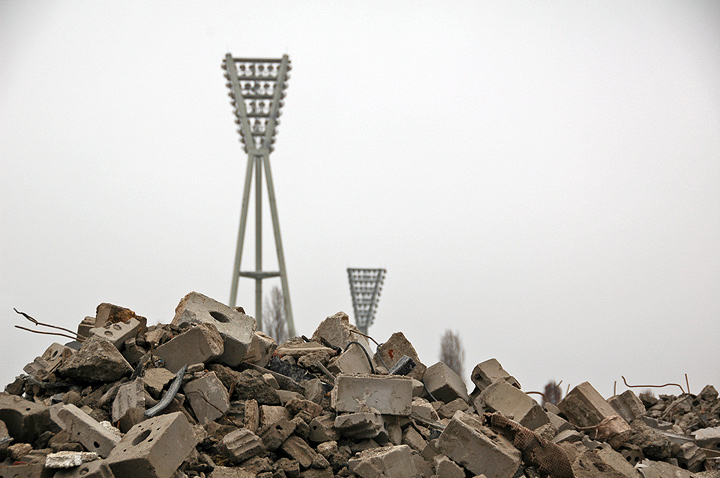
x,y
541,177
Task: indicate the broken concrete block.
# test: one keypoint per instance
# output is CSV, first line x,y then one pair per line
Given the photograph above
x,y
412,438
93,469
109,313
297,449
201,343
707,437
690,457
447,468
270,414
585,407
86,430
117,333
231,472
235,327
352,361
502,397
132,352
305,409
208,397
386,462
490,371
627,405
314,390
156,379
477,448
84,327
129,396
322,429
424,410
261,350
25,470
154,448
251,415
660,469
276,433
298,348
97,361
239,445
449,409
390,395
394,349
602,463
50,360
444,384
25,420
69,459
337,331
360,425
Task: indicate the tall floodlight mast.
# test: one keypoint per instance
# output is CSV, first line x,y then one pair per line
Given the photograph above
x,y
257,88
365,287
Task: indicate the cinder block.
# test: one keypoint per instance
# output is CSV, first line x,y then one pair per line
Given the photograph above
x,y
208,397
261,349
235,327
394,349
322,429
627,405
477,448
490,371
276,433
93,469
129,396
502,397
444,383
154,448
25,470
299,450
25,420
44,365
117,333
360,425
239,445
585,407
86,430
390,395
385,462
350,362
201,343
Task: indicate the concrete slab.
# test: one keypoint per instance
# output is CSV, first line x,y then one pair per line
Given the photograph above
x,y
391,395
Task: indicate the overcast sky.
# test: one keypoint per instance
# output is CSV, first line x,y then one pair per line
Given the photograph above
x,y
542,178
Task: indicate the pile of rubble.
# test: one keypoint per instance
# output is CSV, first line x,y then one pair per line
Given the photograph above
x,y
209,396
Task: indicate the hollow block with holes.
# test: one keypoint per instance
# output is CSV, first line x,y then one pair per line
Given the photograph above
x,y
86,430
117,333
235,327
42,366
199,344
25,420
154,448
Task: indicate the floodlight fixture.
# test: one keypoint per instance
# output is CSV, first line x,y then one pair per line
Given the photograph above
x,y
257,88
365,287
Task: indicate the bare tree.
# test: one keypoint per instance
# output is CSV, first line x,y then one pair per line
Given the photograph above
x,y
274,323
552,393
452,353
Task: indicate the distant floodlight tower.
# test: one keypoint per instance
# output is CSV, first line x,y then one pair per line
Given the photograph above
x,y
365,287
257,88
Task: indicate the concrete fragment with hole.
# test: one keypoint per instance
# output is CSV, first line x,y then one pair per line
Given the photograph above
x,y
154,448
235,327
86,430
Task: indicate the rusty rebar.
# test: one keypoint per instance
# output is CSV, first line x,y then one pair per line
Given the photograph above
x,y
36,322
46,333
653,386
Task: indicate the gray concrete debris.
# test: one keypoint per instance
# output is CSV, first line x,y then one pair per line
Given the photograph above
x,y
235,327
201,343
309,409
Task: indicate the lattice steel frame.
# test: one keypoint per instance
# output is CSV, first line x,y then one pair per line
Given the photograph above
x,y
257,88
365,287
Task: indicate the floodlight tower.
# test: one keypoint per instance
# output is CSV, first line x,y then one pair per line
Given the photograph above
x,y
257,88
365,287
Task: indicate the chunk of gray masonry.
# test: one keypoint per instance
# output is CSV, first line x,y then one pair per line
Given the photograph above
x,y
235,327
477,448
490,371
389,395
339,332
97,361
585,407
117,333
154,448
502,397
385,462
627,405
351,361
201,343
208,397
25,420
444,384
50,360
93,469
390,352
360,425
239,445
129,396
297,449
86,430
